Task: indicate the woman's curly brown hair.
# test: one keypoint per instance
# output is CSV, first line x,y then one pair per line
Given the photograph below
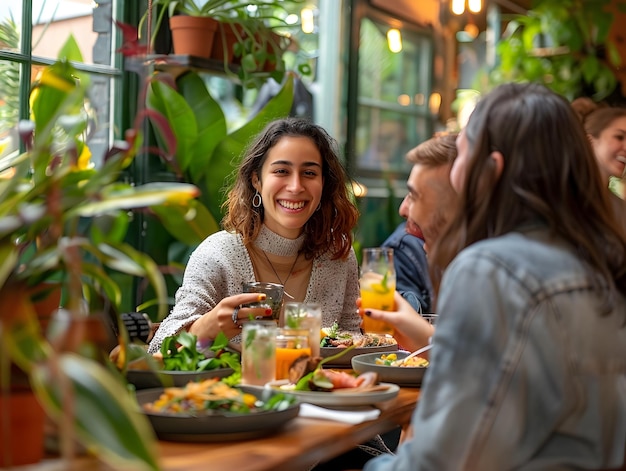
x,y
329,228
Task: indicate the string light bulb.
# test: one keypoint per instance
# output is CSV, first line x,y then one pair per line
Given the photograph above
x,y
394,40
457,7
474,5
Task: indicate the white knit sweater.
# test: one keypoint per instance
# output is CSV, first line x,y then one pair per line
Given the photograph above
x,y
221,263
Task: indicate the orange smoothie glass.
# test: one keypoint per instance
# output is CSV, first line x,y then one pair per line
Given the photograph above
x,y
377,285
305,316
291,344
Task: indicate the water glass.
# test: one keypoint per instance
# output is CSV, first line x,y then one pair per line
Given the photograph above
x,y
377,285
307,316
258,352
291,344
274,296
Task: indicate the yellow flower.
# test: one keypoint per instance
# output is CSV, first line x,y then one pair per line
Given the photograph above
x,y
84,159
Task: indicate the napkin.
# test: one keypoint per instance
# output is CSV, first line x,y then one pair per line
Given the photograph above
x,y
349,417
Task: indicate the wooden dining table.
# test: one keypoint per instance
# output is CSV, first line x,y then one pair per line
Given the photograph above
x,y
298,445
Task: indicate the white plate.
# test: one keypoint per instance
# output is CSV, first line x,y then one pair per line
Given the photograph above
x,y
338,399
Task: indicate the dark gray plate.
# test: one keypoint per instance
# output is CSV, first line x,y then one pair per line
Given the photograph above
x,y
218,427
344,361
144,379
402,376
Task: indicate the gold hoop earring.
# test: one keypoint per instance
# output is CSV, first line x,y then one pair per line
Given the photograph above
x,y
256,200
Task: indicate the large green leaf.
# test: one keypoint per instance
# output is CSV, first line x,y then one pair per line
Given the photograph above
x,y
171,104
140,196
230,149
56,93
8,260
209,118
106,418
70,51
190,225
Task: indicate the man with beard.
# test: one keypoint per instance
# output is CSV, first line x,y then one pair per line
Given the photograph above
x,y
426,207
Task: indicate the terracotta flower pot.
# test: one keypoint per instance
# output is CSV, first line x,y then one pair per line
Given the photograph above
x,y
224,42
193,35
21,428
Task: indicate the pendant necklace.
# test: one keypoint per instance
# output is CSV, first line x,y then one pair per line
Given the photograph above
x,y
276,273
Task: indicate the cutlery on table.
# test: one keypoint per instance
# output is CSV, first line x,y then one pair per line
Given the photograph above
x,y
415,353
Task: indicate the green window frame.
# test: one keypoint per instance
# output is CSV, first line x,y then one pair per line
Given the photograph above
x,y
18,64
388,113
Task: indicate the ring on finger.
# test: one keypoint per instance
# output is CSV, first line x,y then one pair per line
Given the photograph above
x,y
235,316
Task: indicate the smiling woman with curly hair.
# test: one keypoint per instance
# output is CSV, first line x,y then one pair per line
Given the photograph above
x,y
289,220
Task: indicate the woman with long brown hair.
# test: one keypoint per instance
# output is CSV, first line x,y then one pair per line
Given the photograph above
x,y
528,365
289,220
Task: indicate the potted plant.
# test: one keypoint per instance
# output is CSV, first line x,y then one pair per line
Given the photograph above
x,y
62,224
569,53
204,142
247,30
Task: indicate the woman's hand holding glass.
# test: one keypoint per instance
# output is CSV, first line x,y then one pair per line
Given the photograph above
x,y
228,316
410,329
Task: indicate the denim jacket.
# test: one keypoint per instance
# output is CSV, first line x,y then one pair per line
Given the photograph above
x,y
524,374
412,278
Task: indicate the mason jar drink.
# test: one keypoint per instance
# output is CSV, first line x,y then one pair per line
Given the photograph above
x,y
307,316
377,285
258,352
291,344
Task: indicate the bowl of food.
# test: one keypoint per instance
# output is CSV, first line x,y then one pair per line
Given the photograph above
x,y
147,379
178,362
212,410
390,369
333,341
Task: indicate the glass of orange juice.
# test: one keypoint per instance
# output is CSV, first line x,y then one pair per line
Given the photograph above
x,y
307,316
291,344
377,284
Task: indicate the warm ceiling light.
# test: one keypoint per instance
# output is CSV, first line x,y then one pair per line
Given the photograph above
x,y
472,30
394,40
434,103
404,100
306,17
458,7
474,5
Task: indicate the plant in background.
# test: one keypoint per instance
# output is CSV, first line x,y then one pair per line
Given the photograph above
x,y
259,27
206,152
63,223
563,45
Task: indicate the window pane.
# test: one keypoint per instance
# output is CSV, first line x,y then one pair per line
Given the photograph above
x,y
9,105
55,20
393,94
9,31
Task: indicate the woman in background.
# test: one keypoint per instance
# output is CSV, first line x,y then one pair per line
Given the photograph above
x,y
606,129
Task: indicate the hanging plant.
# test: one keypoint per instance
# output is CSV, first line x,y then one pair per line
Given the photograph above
x,y
564,45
